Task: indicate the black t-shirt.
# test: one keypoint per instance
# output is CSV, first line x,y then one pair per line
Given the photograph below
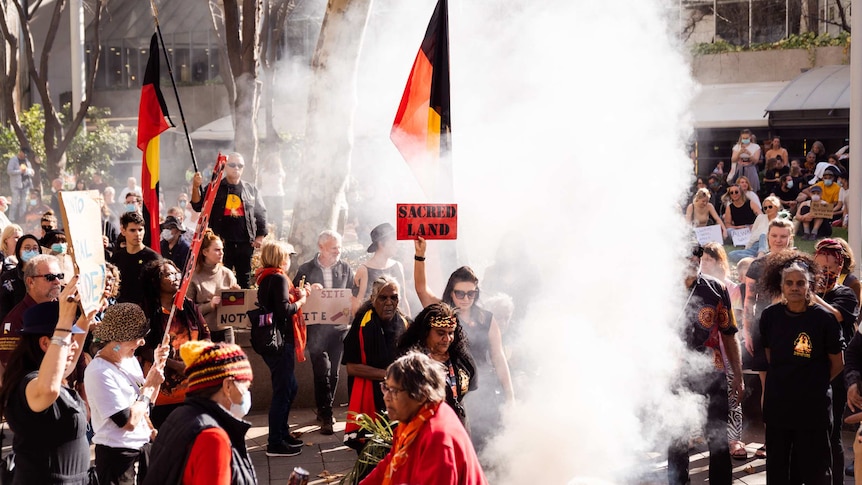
x,y
233,223
130,265
50,446
379,338
709,313
788,196
845,301
797,394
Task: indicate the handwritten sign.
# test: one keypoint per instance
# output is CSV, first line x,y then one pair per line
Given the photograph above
x,y
431,221
740,236
329,306
82,219
234,304
708,234
821,210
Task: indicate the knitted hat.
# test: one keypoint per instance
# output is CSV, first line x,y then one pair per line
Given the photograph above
x,y
209,363
122,322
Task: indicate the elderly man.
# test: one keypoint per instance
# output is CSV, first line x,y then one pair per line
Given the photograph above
x,y
430,444
42,278
238,216
325,346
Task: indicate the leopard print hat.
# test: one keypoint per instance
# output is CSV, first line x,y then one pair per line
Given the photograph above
x,y
122,322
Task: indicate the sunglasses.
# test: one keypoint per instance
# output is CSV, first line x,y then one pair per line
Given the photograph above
x,y
732,192
472,294
51,277
769,207
236,165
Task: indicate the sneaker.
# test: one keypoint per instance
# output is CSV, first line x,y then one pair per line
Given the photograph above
x,y
282,450
292,442
326,428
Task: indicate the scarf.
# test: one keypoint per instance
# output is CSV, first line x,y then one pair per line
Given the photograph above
x,y
405,434
299,331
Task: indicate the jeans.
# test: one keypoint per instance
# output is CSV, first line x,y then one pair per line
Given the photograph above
x,y
325,346
237,256
19,204
284,389
738,254
714,387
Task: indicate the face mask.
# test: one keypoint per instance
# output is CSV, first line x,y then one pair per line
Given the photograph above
x,y
28,255
829,280
131,207
58,248
840,183
746,141
713,185
167,235
815,198
240,410
827,182
183,203
33,202
789,184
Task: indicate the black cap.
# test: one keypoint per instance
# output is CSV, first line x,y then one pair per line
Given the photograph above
x,y
42,318
380,233
172,221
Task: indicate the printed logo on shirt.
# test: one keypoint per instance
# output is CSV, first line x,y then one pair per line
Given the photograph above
x,y
709,316
802,346
7,327
233,206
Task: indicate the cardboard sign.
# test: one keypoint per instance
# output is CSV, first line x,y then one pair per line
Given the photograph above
x,y
234,304
740,236
431,221
708,234
821,210
82,219
328,306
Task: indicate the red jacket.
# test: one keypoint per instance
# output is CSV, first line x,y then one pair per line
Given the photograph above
x,y
441,454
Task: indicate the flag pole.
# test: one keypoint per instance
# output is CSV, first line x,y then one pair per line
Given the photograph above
x,y
174,84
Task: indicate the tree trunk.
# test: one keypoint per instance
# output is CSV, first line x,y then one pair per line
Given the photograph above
x,y
329,132
246,107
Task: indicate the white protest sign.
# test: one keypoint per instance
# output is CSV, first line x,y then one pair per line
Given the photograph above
x,y
234,304
740,236
708,234
82,219
328,306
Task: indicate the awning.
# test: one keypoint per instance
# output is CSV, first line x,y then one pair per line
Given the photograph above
x,y
734,105
820,96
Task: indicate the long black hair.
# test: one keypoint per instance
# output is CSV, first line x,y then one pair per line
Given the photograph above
x,y
26,358
415,336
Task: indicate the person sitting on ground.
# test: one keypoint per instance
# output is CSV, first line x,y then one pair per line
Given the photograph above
x,y
777,168
701,213
812,227
740,212
757,242
787,192
717,189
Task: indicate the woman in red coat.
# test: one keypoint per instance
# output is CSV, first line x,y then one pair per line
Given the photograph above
x,y
430,445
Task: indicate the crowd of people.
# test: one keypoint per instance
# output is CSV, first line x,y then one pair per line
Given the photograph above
x,y
142,376
770,309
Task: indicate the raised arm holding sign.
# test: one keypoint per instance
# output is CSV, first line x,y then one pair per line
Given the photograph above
x,y
82,220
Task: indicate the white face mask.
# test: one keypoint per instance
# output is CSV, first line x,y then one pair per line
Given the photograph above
x,y
167,235
240,410
815,198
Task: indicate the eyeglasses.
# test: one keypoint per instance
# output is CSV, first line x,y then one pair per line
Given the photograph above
x,y
386,389
236,165
767,207
51,277
387,297
472,294
732,192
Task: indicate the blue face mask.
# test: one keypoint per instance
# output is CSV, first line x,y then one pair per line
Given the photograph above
x,y
789,184
827,182
58,248
131,207
746,141
28,255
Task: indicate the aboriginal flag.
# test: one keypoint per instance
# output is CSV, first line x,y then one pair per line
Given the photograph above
x,y
422,126
151,122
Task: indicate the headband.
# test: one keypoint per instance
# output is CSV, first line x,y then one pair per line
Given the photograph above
x,y
443,322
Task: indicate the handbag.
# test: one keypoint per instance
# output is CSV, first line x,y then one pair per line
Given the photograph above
x,y
266,338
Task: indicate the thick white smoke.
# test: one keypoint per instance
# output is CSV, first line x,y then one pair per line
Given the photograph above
x,y
569,127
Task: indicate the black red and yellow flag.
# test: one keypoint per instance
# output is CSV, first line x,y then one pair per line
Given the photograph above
x,y
151,123
422,127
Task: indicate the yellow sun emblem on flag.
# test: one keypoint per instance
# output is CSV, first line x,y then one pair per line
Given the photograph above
x,y
232,206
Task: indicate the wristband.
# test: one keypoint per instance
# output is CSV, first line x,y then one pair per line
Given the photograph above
x,y
419,258
61,342
143,398
67,330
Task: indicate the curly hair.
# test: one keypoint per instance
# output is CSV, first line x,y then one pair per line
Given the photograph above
x,y
777,263
151,276
849,259
416,335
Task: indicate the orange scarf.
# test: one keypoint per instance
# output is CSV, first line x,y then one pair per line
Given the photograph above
x,y
299,335
405,434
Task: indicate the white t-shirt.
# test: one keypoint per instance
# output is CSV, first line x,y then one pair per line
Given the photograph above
x,y
110,389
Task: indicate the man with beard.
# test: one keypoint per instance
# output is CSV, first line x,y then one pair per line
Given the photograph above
x,y
709,326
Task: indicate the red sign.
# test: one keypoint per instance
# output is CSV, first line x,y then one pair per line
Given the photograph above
x,y
431,221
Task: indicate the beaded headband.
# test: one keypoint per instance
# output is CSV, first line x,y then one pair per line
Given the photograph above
x,y
443,322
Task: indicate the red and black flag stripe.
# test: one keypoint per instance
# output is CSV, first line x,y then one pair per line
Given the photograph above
x,y
422,127
151,123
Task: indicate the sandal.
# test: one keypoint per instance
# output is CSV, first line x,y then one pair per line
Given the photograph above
x,y
761,452
737,450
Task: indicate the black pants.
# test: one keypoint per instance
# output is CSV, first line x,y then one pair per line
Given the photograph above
x,y
116,466
325,346
237,256
714,388
839,397
798,456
